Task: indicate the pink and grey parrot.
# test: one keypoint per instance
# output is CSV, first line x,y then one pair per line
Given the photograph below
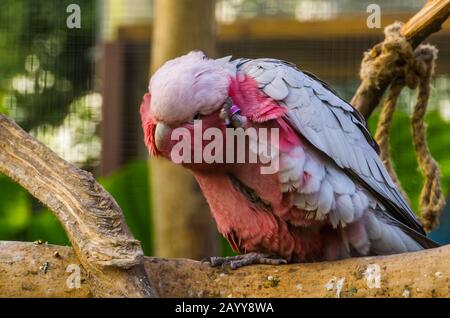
x,y
330,197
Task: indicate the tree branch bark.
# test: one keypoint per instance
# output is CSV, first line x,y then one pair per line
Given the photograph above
x,y
427,21
112,258
420,274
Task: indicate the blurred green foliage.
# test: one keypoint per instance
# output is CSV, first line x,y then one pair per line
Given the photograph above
x,y
44,65
3,108
44,68
225,248
129,186
42,225
15,209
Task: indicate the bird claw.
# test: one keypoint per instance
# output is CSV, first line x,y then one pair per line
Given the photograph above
x,y
230,113
237,261
224,112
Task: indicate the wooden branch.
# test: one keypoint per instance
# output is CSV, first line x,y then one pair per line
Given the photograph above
x,y
420,274
112,258
427,21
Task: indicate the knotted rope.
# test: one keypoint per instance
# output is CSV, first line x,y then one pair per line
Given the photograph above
x,y
395,60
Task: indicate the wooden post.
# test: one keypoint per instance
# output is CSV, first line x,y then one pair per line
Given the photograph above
x,y
183,225
112,67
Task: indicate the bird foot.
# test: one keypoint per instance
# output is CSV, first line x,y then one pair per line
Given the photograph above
x,y
231,114
243,260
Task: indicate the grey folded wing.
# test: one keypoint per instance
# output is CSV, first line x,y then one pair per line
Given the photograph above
x,y
336,129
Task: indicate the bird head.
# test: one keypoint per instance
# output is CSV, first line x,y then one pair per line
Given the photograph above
x,y
184,92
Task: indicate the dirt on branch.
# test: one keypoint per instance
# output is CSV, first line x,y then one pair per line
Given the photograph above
x,y
30,270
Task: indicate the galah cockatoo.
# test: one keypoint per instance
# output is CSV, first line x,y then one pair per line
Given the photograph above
x,y
329,196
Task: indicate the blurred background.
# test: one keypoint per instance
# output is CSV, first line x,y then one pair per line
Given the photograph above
x,y
78,90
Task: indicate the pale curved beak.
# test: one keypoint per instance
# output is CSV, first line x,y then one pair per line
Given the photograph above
x,y
161,131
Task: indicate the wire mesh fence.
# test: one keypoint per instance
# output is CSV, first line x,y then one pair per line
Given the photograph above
x,y
65,85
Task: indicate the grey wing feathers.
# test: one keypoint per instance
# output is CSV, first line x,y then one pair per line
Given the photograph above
x,y
334,127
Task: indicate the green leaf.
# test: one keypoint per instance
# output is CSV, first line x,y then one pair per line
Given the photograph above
x,y
225,247
15,209
45,227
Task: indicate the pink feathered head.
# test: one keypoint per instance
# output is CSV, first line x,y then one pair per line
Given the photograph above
x,y
148,124
186,85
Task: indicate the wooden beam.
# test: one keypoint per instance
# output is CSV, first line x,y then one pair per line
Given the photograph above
x,y
429,20
183,226
419,274
353,25
111,71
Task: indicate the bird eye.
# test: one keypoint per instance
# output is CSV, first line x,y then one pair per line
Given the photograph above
x,y
197,116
